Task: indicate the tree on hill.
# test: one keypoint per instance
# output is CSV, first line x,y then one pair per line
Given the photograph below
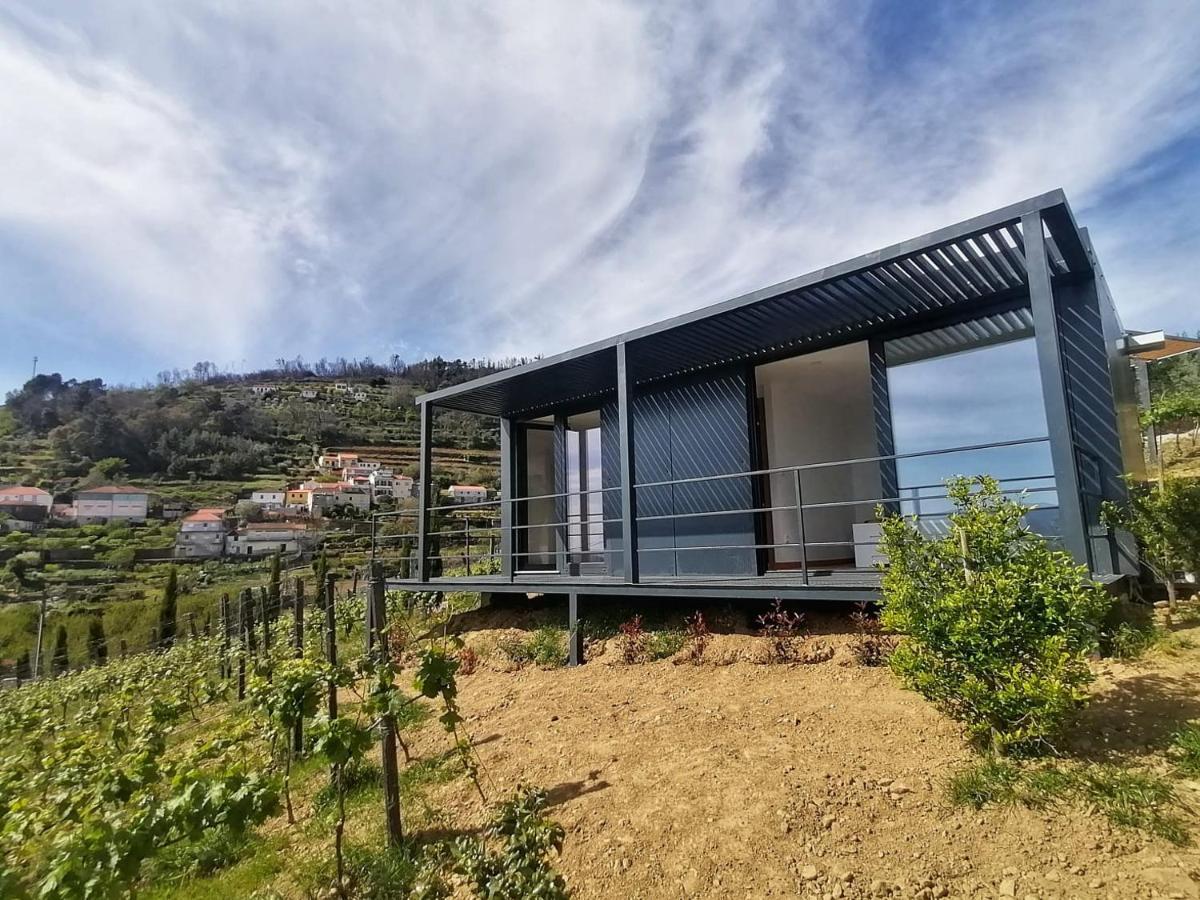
x,y
60,661
168,610
97,643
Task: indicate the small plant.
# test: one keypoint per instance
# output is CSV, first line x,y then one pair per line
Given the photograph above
x,y
546,647
664,644
520,868
468,661
783,630
870,645
632,641
697,637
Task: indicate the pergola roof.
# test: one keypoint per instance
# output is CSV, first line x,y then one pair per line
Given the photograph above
x,y
1175,345
976,265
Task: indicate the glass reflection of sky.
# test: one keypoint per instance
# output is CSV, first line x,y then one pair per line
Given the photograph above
x,y
979,396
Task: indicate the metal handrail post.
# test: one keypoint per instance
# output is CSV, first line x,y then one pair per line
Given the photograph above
x,y
800,524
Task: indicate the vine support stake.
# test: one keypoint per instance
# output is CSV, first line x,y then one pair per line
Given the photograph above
x,y
245,636
298,649
331,642
377,624
224,665
37,652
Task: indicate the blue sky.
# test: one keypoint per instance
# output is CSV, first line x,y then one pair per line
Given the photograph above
x,y
240,182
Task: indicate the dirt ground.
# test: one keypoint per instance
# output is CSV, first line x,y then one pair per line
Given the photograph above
x,y
737,778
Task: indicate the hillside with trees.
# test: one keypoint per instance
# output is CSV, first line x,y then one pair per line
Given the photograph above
x,y
202,425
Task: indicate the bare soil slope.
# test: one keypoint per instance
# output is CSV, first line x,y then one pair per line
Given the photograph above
x,y
742,779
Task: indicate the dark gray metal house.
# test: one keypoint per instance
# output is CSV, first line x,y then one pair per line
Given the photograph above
x,y
742,450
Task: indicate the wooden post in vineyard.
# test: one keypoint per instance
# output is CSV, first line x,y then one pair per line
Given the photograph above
x,y
37,651
245,636
377,643
298,649
224,669
331,641
192,633
264,613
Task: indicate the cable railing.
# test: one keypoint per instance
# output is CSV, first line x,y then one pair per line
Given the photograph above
x,y
812,541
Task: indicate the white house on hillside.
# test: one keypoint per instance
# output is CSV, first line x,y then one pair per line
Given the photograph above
x,y
467,493
201,535
111,503
268,499
265,538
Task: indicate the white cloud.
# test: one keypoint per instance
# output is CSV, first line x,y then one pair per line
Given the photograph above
x,y
231,181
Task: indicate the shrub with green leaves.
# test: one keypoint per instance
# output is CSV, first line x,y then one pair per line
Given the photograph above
x,y
998,624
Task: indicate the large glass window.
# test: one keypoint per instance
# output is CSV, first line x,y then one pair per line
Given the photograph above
x,y
984,395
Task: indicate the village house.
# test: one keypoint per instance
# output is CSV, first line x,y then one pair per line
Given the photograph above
x,y
325,497
265,538
360,396
269,499
262,390
298,498
385,484
202,535
308,394
27,506
467,493
170,510
111,503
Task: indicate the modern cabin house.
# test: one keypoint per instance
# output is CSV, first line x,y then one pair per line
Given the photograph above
x,y
742,450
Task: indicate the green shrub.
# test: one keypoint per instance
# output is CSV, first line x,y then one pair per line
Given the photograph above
x,y
546,647
998,625
664,644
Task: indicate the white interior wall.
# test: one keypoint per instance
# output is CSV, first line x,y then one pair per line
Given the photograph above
x,y
818,409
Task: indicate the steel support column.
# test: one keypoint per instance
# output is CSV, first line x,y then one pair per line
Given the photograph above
x,y
881,404
507,473
1054,392
560,488
427,491
628,500
575,632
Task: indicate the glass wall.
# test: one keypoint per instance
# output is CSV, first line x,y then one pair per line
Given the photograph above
x,y
978,395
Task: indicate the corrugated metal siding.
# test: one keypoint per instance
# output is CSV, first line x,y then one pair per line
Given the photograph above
x,y
690,429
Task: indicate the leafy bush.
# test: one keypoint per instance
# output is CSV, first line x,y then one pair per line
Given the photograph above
x,y
1165,519
998,624
546,647
664,644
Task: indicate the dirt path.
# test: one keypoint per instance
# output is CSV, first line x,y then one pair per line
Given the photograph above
x,y
821,780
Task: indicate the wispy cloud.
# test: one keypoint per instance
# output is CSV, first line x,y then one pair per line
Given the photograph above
x,y
232,182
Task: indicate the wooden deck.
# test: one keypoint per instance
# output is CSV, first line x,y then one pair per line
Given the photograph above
x,y
846,585
835,585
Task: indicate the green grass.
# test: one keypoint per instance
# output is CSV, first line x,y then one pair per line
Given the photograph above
x,y
264,858
1127,797
1185,750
